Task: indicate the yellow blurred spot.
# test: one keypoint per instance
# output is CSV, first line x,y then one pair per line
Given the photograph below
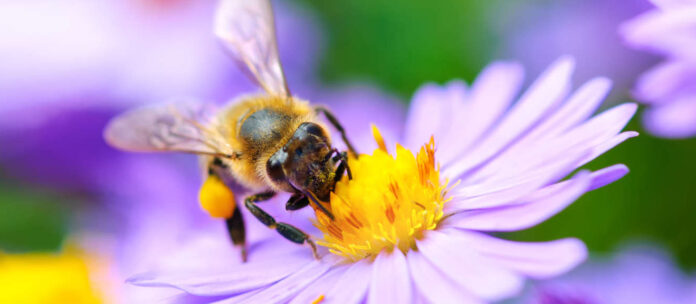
x,y
388,204
318,299
41,278
216,198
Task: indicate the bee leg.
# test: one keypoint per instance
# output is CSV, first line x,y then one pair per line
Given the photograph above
x,y
332,119
342,159
297,202
288,231
216,197
344,163
235,227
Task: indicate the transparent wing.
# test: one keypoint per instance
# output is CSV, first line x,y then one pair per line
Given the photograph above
x,y
246,29
189,128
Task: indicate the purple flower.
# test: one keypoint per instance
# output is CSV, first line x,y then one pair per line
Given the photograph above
x,y
108,56
670,87
536,31
637,274
415,227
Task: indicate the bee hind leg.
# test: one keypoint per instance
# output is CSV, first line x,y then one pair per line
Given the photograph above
x,y
332,119
288,231
235,228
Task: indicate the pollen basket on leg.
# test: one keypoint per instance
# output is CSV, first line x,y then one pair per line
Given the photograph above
x,y
387,205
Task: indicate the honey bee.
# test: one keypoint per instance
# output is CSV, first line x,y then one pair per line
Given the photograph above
x,y
268,143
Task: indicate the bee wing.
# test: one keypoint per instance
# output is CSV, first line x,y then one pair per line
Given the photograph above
x,y
246,29
189,128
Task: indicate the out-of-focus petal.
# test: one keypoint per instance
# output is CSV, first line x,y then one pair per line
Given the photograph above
x,y
671,4
669,33
390,281
636,274
467,268
608,175
433,285
676,119
666,81
537,260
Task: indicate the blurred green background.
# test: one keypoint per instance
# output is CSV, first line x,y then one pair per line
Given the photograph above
x,y
399,45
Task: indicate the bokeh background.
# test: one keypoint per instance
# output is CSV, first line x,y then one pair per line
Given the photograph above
x,y
67,66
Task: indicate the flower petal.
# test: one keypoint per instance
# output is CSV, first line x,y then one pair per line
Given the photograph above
x,y
358,106
532,107
288,287
591,138
667,32
608,175
537,260
575,110
676,119
319,287
390,281
433,285
430,111
491,94
467,268
352,286
245,277
541,205
496,193
666,81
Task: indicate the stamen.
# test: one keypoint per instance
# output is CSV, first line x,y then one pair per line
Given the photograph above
x,y
389,203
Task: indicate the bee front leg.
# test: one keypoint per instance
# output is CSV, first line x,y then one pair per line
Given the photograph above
x,y
288,231
342,166
296,202
332,119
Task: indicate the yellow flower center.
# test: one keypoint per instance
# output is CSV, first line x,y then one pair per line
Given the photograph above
x,y
388,204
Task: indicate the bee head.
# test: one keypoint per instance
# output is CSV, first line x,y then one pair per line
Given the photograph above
x,y
305,163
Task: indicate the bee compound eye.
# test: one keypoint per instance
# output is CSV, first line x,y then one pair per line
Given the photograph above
x,y
314,129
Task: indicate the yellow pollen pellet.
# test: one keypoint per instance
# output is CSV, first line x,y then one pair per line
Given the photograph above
x,y
216,198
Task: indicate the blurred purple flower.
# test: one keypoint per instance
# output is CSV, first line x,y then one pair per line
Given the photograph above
x,y
670,87
508,154
636,274
71,66
533,32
